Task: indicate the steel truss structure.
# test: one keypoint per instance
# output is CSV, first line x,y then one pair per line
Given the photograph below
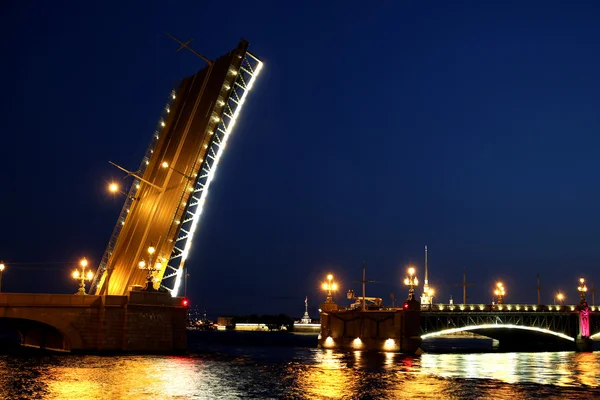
x,y
245,76
560,323
131,193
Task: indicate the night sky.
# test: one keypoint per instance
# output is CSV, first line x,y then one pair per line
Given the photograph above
x,y
371,132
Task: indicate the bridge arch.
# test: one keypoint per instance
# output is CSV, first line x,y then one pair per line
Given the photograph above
x,y
490,327
38,334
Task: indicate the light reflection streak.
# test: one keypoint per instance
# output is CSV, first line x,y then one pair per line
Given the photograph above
x,y
306,374
328,377
551,368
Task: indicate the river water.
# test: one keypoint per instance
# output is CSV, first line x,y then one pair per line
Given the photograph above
x,y
242,370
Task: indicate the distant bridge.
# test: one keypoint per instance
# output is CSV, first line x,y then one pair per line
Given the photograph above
x,y
515,326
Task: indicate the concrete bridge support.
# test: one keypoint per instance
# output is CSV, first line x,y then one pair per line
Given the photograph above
x,y
382,330
138,322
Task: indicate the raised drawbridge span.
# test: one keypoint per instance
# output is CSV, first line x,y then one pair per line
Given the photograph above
x,y
165,201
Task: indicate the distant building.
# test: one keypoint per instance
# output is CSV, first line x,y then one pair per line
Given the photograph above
x,y
305,318
224,322
305,325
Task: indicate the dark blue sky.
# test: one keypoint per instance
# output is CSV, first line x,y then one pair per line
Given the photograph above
x,y
472,128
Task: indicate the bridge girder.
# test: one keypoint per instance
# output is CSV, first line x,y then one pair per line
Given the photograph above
x,y
563,325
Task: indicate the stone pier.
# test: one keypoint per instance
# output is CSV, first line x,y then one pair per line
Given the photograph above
x,y
139,322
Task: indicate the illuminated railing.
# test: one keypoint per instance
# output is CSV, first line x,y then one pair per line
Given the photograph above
x,y
504,307
235,91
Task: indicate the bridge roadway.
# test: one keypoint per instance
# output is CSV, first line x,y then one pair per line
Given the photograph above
x,y
156,213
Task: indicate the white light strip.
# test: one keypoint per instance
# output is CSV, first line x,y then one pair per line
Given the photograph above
x,y
595,335
211,174
494,326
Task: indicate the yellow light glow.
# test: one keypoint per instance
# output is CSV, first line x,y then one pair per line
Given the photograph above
x,y
76,274
416,281
560,296
411,271
142,264
113,187
325,286
164,164
90,275
2,267
151,250
329,342
357,343
431,292
389,344
329,277
499,284
162,123
581,280
334,286
83,262
158,266
406,281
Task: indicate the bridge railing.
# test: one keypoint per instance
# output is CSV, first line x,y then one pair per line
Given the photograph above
x,y
503,307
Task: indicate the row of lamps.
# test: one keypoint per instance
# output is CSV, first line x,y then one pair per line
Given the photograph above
x,y
412,281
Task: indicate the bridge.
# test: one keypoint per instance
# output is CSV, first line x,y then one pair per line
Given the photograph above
x,y
134,303
515,326
141,321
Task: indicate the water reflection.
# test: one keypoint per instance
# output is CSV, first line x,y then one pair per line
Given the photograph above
x,y
302,373
558,368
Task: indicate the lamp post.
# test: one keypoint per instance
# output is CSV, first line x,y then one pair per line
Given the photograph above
x,y
2,266
151,268
411,281
114,188
500,292
330,286
582,288
82,276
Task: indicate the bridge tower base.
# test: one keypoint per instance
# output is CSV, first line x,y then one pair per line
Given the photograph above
x,y
395,330
584,345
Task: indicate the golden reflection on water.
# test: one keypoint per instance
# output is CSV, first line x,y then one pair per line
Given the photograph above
x,y
135,377
556,368
306,374
328,377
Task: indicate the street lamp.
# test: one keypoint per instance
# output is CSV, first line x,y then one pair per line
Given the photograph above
x,y
560,297
2,266
499,292
411,281
114,188
82,276
582,288
329,286
151,268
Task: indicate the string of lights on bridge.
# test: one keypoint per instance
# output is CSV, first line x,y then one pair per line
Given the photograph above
x,y
499,290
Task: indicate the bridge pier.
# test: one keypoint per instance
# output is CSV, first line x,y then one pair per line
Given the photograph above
x,y
152,322
584,345
395,330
